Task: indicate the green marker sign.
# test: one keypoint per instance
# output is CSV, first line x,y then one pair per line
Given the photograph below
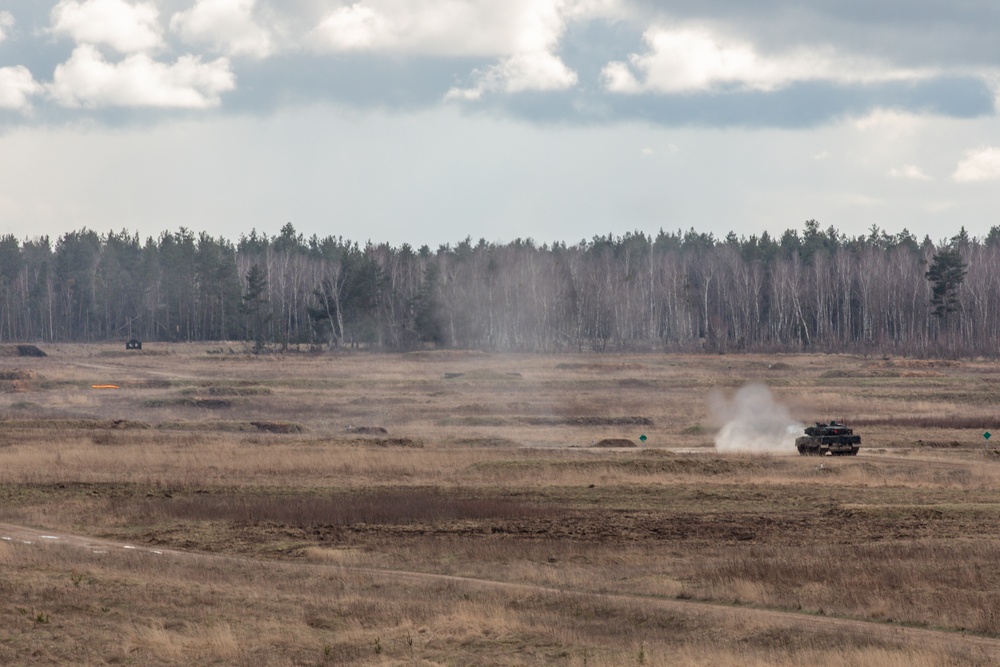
x,y
642,438
987,435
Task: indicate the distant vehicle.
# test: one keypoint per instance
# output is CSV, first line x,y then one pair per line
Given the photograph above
x,y
133,344
833,438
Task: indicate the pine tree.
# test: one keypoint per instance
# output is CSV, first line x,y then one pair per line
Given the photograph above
x,y
254,305
946,273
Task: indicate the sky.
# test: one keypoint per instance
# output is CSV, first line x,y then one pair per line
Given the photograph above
x,y
429,121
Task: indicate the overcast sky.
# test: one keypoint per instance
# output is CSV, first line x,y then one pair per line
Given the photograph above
x,y
426,121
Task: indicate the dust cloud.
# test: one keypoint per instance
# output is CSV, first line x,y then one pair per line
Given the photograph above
x,y
753,421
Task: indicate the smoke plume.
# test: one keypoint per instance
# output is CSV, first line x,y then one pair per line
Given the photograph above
x,y
752,421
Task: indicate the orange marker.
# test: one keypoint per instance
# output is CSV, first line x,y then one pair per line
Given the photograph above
x,y
104,386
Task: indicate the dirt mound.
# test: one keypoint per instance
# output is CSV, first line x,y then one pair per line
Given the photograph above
x,y
614,442
366,430
277,427
70,424
232,427
599,367
21,351
483,374
204,403
634,382
408,443
18,374
147,384
227,391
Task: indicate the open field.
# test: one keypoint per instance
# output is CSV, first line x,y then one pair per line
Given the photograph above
x,y
455,508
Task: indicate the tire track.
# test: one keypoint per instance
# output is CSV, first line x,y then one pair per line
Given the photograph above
x,y
987,648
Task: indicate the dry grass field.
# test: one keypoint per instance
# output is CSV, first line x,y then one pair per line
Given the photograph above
x,y
460,508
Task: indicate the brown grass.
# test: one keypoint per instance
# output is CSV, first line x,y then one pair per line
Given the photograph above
x,y
392,506
936,421
490,474
150,610
923,583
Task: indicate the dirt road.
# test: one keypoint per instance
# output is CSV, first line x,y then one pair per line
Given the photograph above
x,y
985,648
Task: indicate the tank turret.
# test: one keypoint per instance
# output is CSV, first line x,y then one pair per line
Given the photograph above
x,y
828,438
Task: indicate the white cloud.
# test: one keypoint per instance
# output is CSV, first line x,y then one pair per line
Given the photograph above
x,y
523,71
228,25
128,28
980,164
353,28
822,155
521,34
909,171
6,23
17,86
889,120
88,80
477,28
693,59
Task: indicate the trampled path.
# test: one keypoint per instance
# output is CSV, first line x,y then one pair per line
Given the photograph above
x,y
985,648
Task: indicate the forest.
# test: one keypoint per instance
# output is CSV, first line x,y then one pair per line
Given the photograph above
x,y
809,290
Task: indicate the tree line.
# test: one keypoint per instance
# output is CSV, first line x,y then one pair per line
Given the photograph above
x,y
808,290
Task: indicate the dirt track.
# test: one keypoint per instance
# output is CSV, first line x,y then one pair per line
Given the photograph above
x,y
985,648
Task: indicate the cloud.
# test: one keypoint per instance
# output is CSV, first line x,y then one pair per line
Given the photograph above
x,y
443,28
521,34
538,71
353,28
6,23
88,80
124,27
980,164
537,61
909,171
694,59
226,25
889,119
17,86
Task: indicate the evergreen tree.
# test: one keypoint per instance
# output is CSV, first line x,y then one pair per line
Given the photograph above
x,y
946,273
254,306
427,308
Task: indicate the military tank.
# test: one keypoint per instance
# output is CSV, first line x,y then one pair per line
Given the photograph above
x,y
833,438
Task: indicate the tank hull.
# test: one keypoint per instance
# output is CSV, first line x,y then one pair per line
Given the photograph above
x,y
835,445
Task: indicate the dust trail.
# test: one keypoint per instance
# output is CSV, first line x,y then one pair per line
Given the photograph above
x,y
752,421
